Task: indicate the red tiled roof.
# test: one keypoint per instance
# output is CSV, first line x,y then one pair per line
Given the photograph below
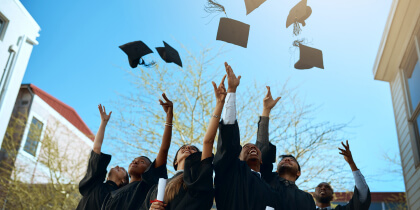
x,y
65,110
376,196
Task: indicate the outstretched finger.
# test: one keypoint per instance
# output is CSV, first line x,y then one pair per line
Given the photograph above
x,y
227,68
161,102
223,80
348,146
100,108
239,78
277,99
164,97
214,86
268,91
110,114
343,145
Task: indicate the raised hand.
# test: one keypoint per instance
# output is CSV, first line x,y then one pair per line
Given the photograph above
x,y
269,102
220,91
233,81
168,105
104,117
347,155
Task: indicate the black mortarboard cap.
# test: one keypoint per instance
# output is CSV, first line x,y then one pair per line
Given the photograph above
x,y
251,5
233,31
309,57
169,54
299,13
135,51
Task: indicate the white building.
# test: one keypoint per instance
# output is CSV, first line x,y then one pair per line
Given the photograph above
x,y
398,62
46,132
18,33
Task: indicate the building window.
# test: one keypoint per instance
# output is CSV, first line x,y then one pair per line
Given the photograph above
x,y
34,136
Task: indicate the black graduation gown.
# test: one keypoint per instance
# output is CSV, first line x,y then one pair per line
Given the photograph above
x,y
131,196
355,204
92,186
236,186
199,192
295,198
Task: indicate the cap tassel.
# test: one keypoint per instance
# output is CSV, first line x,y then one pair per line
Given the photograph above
x,y
296,28
147,65
213,7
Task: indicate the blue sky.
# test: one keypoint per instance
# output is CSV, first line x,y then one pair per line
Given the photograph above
x,y
78,59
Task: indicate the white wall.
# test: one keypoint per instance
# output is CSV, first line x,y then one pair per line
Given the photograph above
x,y
406,138
74,147
20,32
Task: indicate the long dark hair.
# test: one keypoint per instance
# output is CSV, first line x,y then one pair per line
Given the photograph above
x,y
174,185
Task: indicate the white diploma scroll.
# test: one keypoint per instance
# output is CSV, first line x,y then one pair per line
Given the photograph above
x,y
269,208
161,189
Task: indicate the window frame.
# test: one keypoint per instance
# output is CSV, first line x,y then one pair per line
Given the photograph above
x,y
3,27
25,136
413,112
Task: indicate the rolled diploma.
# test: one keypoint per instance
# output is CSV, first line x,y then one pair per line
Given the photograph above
x,y
269,208
161,189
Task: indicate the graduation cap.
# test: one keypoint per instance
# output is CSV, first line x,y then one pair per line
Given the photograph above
x,y
298,14
135,51
169,54
251,5
233,31
309,57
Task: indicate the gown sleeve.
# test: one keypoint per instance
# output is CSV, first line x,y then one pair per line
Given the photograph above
x,y
152,174
228,148
355,202
198,174
96,172
268,150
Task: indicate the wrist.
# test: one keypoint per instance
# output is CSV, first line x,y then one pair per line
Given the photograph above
x,y
266,112
231,90
353,166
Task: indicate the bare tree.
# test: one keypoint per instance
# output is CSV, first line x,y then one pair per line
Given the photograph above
x,y
138,123
61,163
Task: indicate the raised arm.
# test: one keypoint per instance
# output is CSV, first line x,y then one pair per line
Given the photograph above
x,y
167,133
267,149
360,181
229,117
208,141
99,138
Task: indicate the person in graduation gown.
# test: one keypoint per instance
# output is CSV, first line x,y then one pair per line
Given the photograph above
x,y
92,186
361,197
288,169
192,186
143,173
238,182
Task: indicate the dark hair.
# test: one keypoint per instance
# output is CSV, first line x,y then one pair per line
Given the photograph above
x,y
126,180
176,154
146,158
291,156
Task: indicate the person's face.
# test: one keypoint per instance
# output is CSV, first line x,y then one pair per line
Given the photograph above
x,y
184,152
323,193
250,152
118,173
138,166
288,164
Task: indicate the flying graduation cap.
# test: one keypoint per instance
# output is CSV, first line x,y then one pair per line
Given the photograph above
x,y
309,58
251,5
298,14
169,54
233,31
135,51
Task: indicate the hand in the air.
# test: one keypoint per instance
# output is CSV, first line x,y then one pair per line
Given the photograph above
x,y
220,91
168,105
233,81
104,117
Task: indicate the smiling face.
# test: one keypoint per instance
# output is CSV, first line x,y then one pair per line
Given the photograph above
x,y
138,166
183,153
250,153
324,193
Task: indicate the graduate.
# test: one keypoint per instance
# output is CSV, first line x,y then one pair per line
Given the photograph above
x,y
192,186
361,197
238,182
143,172
92,186
288,170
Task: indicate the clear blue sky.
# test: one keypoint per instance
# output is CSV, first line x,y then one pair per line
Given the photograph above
x,y
78,59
